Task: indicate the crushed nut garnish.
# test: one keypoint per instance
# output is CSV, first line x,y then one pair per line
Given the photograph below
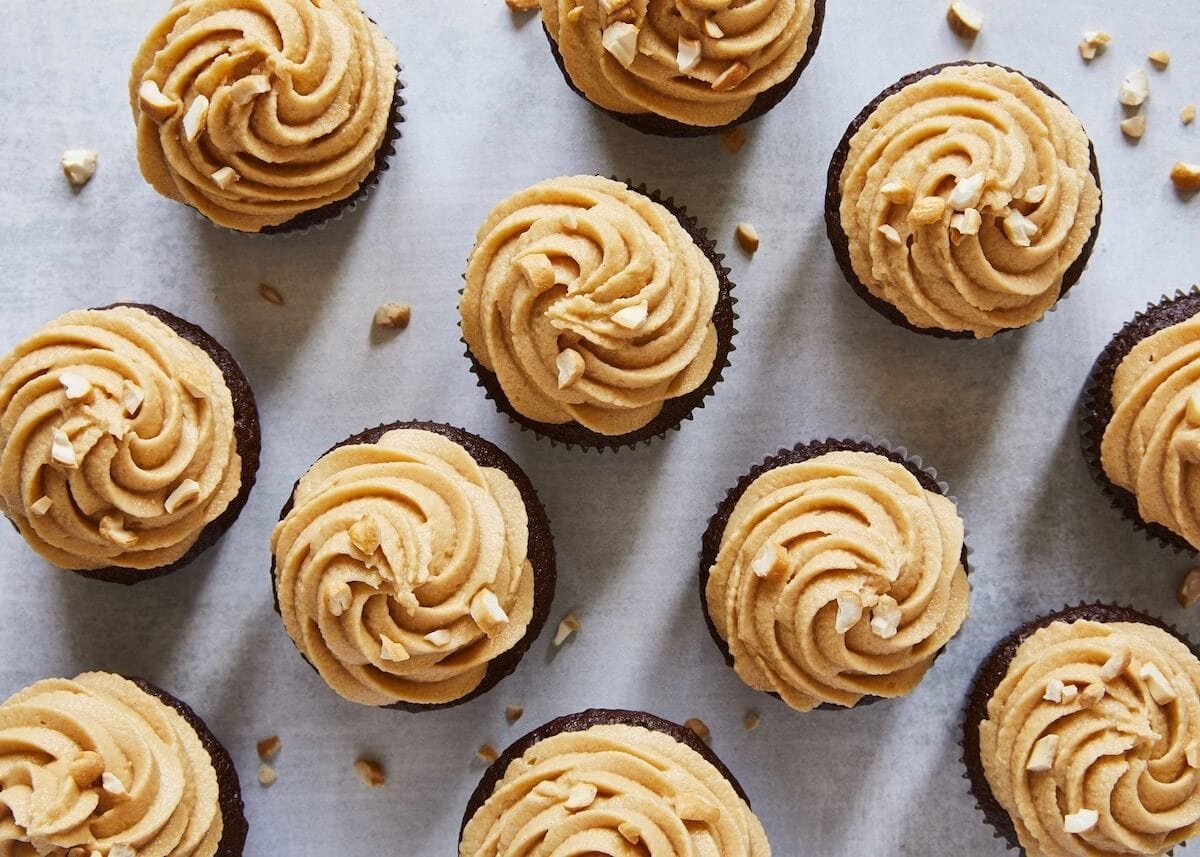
x,y
927,211
621,40
61,450
1019,228
629,832
249,88
268,748
751,721
1186,176
132,398
522,5
886,617
898,193
1134,127
187,492
966,223
1091,695
119,850
370,772
487,753
964,21
1160,59
364,534
1042,757
1081,822
1093,43
889,232
1116,665
1189,588
1188,114
849,611
569,625
690,807
747,236
712,29
632,317
267,775
439,638
79,165
581,796
226,177
513,713
688,55
967,192
771,560
1036,194
75,387
1157,683
270,294
392,650
1135,89
154,104
732,77
698,728
393,315
112,528
574,16
40,506
86,768
112,784
196,118
733,140
487,613
571,366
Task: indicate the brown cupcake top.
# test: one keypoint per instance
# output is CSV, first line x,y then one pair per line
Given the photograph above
x,y
96,763
1092,740
254,114
1151,446
837,578
402,569
117,441
966,197
591,303
613,789
698,62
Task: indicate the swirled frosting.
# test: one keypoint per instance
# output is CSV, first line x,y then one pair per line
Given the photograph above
x,y
96,763
590,303
838,577
254,113
698,62
613,789
402,569
966,197
117,443
1151,445
1122,742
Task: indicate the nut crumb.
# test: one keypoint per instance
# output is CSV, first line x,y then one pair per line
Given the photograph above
x,y
965,21
1094,42
1091,695
513,713
120,850
1186,176
225,178
898,193
522,5
688,55
1041,759
155,104
40,506
268,748
487,753
1189,588
751,720
1160,59
698,728
1134,127
621,40
571,366
1188,114
632,317
569,625
196,118
393,315
927,211
849,611
370,772
629,832
270,294
732,77
889,232
1160,688
439,639
733,140
1081,822
1116,665
112,784
747,236
79,165
1135,89
886,617
267,775
581,796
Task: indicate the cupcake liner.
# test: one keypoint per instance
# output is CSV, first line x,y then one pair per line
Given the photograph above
x,y
660,126
581,722
1096,410
674,411
540,550
247,434
841,243
988,677
711,541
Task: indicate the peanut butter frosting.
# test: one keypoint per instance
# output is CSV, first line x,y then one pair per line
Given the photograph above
x,y
837,578
1151,445
254,113
402,569
966,197
698,62
590,303
117,443
1092,740
614,790
98,764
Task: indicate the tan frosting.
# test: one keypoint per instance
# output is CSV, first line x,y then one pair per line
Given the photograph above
x,y
62,744
555,268
1125,757
652,796
110,507
852,525
768,38
309,138
963,122
391,542
1151,446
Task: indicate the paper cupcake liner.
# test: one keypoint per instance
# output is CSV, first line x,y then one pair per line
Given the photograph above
x,y
710,545
660,126
675,411
1096,411
988,677
581,722
841,243
541,552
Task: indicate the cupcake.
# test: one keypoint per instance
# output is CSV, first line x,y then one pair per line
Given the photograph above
x,y
268,118
413,566
594,313
610,782
102,764
963,201
1141,421
1082,735
833,574
129,442
683,68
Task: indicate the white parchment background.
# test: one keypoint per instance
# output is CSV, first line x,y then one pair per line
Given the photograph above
x,y
488,114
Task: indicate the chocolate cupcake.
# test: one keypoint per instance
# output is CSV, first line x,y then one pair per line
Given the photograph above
x,y
1081,735
612,782
964,201
1141,421
683,68
264,121
110,765
596,314
855,557
413,566
129,442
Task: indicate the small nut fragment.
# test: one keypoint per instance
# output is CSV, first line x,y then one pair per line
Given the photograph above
x,y
967,192
364,534
1189,588
967,223
1091,695
1036,194
522,5
751,721
581,796
1134,127
40,506
1094,42
86,768
225,178
1041,759
698,728
267,775
1116,665
341,599
1160,58
1135,89
1081,822
196,118
570,365
487,612
732,77
1054,690
439,638
1019,228
393,315
964,21
889,232
154,104
392,650
76,387
120,850
513,713
187,492
733,140
1186,176
1157,683
569,625
270,294
112,784
550,790
771,560
79,165
897,192
61,451
712,29
132,398
690,807
926,211
268,748
886,617
1188,114
849,612
1069,693
688,55
1192,753
747,236
632,317
487,753
575,15
629,832
621,40
370,772
112,528
249,88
